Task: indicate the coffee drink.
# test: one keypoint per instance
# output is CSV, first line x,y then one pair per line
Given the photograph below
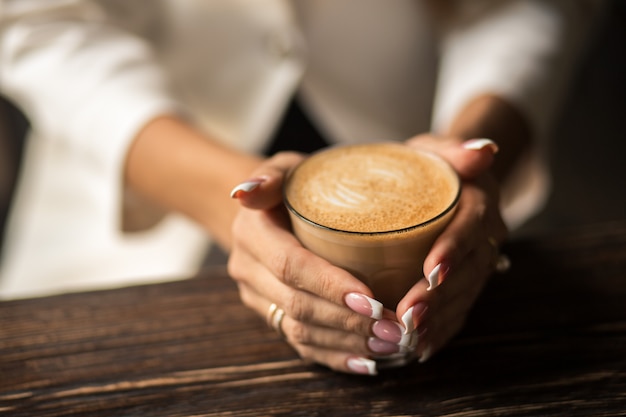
x,y
374,210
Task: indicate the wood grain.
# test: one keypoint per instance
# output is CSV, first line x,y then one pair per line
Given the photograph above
x,y
548,338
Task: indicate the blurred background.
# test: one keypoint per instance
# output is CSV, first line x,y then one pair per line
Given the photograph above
x,y
588,152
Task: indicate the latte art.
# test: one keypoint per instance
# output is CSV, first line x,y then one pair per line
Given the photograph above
x,y
343,195
355,193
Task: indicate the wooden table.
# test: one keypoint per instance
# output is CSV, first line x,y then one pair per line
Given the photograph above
x,y
548,339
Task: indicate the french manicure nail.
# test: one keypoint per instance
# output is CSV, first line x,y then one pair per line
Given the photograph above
x,y
377,345
433,278
391,331
246,187
361,365
409,341
365,305
388,330
408,321
478,144
411,317
436,275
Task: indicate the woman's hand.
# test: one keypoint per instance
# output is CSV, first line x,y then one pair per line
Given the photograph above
x,y
330,317
463,256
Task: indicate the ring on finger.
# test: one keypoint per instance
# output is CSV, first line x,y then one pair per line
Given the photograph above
x,y
502,262
275,317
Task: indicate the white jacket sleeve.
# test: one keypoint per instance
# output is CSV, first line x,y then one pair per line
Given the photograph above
x,y
523,51
79,79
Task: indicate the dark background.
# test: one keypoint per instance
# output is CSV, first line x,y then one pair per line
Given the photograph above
x,y
588,154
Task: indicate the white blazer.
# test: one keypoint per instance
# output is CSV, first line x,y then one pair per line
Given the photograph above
x,y
90,73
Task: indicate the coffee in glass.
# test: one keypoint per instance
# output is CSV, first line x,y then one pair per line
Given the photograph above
x,y
373,209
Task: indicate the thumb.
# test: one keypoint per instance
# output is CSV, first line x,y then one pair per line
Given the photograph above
x,y
263,191
470,158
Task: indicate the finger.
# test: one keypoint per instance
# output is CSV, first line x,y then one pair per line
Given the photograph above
x,y
299,305
477,220
300,334
461,236
339,350
339,361
469,158
264,189
465,282
270,244
303,334
450,307
308,339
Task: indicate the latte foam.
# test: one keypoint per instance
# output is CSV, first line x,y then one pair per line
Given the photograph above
x,y
371,188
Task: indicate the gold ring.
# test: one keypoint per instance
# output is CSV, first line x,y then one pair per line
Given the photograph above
x,y
502,263
275,317
278,321
270,314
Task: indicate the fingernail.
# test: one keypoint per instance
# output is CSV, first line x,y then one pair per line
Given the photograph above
x,y
362,366
436,276
388,330
478,144
409,341
411,317
433,278
246,187
365,305
377,345
426,354
391,331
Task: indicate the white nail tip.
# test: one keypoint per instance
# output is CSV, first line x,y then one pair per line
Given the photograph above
x,y
409,340
407,320
478,144
377,308
245,187
433,278
357,364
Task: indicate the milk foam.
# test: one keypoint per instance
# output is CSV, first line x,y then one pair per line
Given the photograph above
x,y
371,188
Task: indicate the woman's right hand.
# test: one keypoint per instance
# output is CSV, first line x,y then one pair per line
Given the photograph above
x,y
330,317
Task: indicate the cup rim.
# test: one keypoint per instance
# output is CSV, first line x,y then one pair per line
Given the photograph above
x,y
443,213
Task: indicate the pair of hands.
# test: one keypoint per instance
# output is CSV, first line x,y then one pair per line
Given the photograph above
x,y
330,316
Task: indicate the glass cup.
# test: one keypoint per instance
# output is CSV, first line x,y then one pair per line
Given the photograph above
x,y
374,210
